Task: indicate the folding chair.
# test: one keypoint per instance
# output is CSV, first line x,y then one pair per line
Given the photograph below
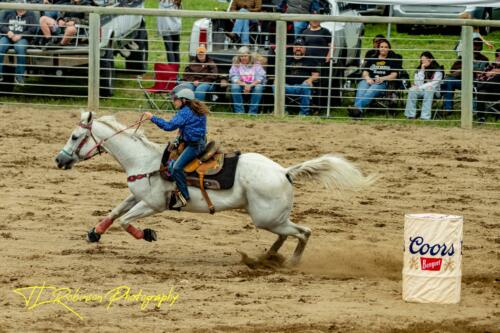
x,y
165,80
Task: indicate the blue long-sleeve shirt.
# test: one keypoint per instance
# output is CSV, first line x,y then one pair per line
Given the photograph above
x,y
193,127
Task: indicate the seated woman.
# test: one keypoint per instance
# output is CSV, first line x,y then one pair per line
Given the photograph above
x,y
241,28
377,72
246,75
200,75
426,82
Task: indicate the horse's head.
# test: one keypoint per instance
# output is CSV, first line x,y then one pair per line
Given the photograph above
x,y
80,145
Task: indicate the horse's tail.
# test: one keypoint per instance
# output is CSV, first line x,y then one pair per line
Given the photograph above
x,y
331,171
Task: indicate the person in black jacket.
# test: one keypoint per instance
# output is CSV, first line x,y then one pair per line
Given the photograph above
x,y
17,29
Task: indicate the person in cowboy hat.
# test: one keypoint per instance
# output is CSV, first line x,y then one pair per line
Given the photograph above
x,y
191,120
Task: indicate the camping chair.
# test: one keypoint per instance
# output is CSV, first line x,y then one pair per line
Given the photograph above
x,y
165,78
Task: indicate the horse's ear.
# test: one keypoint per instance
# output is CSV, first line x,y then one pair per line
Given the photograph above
x,y
89,119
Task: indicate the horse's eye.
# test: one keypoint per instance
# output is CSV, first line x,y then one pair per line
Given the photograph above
x,y
74,137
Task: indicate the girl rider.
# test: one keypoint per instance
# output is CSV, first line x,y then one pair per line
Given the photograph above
x,y
191,120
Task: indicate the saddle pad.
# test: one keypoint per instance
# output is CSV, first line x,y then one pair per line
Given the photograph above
x,y
221,181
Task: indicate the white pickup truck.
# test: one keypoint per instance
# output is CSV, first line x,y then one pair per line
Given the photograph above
x,y
124,34
346,35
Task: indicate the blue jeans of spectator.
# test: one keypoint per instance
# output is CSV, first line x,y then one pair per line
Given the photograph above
x,y
299,27
367,92
51,14
255,97
189,153
447,90
201,90
242,29
302,90
411,103
20,47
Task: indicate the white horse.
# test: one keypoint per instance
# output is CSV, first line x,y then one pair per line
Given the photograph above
x,y
261,186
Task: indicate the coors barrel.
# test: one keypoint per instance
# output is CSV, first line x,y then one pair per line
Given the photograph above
x,y
432,268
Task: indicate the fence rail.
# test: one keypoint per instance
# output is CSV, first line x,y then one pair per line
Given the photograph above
x,y
96,51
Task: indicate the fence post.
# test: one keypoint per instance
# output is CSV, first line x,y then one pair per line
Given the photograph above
x,y
94,62
280,69
467,77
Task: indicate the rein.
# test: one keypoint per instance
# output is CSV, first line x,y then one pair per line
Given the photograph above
x,y
99,144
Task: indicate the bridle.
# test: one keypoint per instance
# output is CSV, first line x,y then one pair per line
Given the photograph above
x,y
97,149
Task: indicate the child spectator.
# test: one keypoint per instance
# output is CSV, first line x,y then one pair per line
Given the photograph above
x,y
17,29
426,82
247,76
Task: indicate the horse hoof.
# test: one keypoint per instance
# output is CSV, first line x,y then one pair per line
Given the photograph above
x,y
150,235
92,236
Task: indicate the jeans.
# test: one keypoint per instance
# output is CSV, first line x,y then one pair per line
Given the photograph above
x,y
299,27
189,153
367,92
172,43
255,96
447,88
201,90
51,14
411,104
242,29
20,48
302,90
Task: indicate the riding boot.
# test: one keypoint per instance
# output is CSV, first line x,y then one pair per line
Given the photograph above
x,y
181,201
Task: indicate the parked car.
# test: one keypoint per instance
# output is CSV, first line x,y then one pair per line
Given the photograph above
x,y
364,9
346,35
120,34
439,11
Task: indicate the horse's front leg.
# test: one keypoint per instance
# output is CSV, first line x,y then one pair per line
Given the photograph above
x,y
140,210
95,233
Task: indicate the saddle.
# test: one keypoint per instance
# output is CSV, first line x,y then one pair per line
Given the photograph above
x,y
212,169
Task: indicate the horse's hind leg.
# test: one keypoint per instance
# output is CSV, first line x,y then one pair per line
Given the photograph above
x,y
95,233
277,244
291,229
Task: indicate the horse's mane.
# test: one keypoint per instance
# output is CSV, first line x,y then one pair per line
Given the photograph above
x,y
111,122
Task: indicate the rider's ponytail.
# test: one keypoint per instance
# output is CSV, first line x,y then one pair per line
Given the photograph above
x,y
198,107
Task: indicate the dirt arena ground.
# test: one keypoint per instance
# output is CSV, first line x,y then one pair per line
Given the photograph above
x,y
350,277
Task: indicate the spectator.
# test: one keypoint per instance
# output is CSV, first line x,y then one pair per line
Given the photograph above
x,y
372,52
169,28
54,14
475,34
488,86
241,28
247,76
318,43
453,80
426,82
377,72
299,7
300,75
201,74
17,29
64,24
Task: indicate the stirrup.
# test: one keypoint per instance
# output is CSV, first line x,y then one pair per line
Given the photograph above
x,y
181,201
